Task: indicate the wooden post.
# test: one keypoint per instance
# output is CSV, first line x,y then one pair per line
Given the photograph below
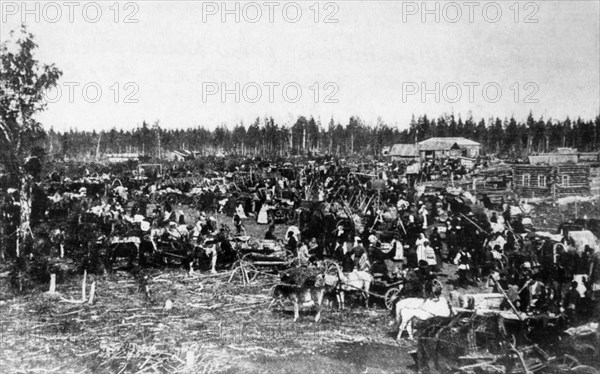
x,y
83,285
52,283
92,293
189,360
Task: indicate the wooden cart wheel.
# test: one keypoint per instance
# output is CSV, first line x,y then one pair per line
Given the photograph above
x,y
251,271
238,272
567,362
584,369
390,297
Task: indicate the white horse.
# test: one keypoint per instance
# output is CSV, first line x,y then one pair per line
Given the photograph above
x,y
355,281
421,309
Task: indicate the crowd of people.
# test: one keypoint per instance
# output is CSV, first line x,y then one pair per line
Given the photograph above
x,y
368,220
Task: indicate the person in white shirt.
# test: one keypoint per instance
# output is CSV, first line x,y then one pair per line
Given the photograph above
x,y
303,254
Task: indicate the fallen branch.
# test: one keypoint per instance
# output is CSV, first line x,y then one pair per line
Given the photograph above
x,y
251,349
72,301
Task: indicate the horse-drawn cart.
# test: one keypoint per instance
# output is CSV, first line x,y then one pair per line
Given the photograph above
x,y
383,287
268,255
472,342
530,359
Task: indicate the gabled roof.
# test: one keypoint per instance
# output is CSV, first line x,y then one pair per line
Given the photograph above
x,y
404,150
443,144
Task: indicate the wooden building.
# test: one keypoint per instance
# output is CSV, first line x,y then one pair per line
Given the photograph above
x,y
551,180
448,147
563,156
595,179
121,157
402,152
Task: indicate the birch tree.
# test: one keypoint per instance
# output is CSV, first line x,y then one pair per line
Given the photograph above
x,y
24,82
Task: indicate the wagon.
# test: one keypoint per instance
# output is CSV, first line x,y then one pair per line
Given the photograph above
x,y
266,255
172,250
393,290
530,359
474,343
123,246
389,289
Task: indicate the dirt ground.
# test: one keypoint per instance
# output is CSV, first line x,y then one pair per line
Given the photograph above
x,y
166,320
213,326
226,327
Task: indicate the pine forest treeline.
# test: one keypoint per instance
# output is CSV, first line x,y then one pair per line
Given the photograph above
x,y
502,137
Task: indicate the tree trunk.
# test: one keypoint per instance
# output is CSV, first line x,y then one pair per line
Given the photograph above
x,y
25,212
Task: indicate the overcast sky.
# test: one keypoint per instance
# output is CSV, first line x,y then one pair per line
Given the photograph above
x,y
373,62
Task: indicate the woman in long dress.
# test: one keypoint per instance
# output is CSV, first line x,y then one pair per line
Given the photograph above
x,y
420,245
263,215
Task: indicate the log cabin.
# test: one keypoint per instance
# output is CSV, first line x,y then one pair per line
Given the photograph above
x,y
551,180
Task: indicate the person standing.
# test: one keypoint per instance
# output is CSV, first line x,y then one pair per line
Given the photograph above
x,y
571,300
339,250
292,244
315,251
269,235
463,260
303,255
237,223
420,245
436,243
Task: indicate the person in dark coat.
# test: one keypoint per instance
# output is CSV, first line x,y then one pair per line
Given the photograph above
x,y
348,261
269,235
487,260
411,257
237,223
292,244
571,301
315,250
338,251
436,243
